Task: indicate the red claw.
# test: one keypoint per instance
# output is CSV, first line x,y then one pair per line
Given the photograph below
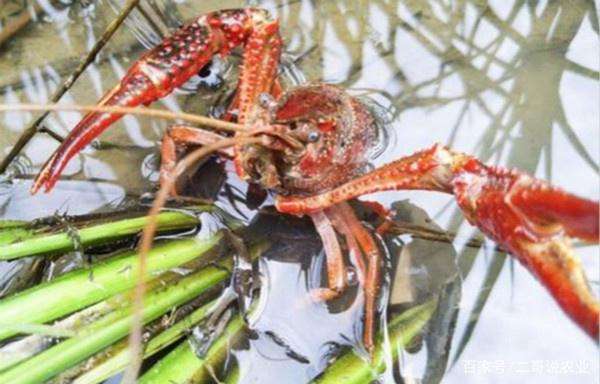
x,y
525,216
579,217
529,218
134,90
158,73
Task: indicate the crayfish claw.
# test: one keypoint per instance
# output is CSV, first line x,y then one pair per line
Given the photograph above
x,y
160,71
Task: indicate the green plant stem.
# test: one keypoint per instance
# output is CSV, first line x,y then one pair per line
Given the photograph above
x,y
78,289
119,360
8,224
12,235
353,369
13,230
25,244
22,349
110,329
233,375
183,366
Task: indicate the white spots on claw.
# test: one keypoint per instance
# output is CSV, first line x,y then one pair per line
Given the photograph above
x,y
157,77
200,21
260,16
166,50
468,187
442,155
131,123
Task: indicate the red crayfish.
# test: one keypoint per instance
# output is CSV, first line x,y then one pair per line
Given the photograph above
x,y
308,145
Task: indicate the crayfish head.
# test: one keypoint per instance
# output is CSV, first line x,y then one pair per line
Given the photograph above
x,y
336,131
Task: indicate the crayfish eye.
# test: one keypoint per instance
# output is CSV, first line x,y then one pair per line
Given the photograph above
x,y
205,71
313,136
266,101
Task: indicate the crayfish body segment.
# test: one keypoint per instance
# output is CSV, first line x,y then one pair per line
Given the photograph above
x,y
314,157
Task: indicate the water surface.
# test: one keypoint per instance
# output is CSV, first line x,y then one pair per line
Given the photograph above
x,y
512,82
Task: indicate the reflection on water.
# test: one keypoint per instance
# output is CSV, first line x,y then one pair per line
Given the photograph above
x,y
515,83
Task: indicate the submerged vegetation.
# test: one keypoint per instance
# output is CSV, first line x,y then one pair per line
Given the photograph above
x,y
87,311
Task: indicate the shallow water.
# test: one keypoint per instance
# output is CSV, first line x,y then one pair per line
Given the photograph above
x,y
515,83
